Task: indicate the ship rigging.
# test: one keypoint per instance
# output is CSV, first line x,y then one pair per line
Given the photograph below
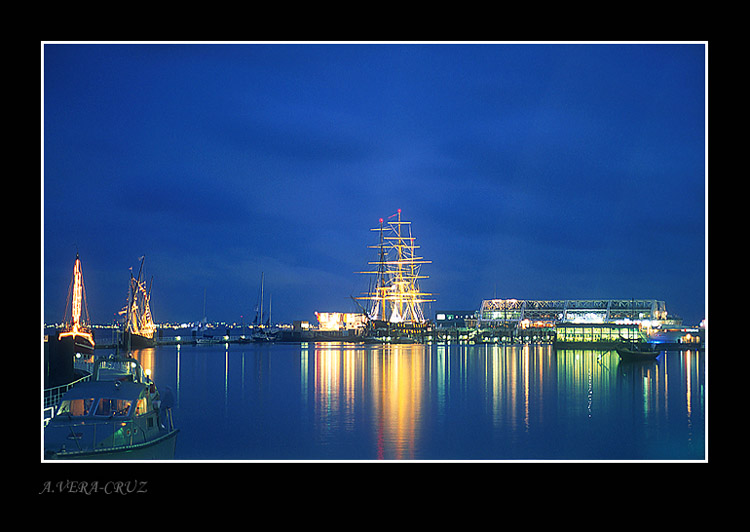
x,y
139,326
394,301
77,323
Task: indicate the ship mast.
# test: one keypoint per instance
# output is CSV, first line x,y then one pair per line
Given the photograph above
x,y
396,297
77,304
139,319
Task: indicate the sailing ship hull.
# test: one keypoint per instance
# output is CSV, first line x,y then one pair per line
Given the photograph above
x,y
136,341
76,344
380,331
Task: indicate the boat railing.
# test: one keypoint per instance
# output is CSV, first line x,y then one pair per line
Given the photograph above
x,y
52,397
84,364
114,367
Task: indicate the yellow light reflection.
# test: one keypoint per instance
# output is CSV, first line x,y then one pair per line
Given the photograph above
x,y
394,378
146,358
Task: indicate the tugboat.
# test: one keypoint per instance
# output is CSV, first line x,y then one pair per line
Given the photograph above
x,y
117,415
394,313
77,336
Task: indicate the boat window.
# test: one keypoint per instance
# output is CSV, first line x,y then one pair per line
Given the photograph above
x,y
76,407
140,408
112,407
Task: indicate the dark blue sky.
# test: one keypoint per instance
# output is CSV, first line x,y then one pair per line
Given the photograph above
x,y
548,171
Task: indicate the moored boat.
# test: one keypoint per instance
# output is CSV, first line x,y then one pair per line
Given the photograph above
x,y
76,342
139,329
263,332
117,415
77,335
265,335
132,341
635,351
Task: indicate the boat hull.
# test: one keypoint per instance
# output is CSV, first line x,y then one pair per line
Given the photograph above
x,y
76,344
161,448
384,332
634,355
136,341
264,339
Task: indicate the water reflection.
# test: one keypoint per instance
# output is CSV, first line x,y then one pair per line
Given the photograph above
x,y
145,358
531,394
404,402
343,378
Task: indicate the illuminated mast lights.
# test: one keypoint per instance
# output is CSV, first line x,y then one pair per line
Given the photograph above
x,y
396,296
75,326
139,319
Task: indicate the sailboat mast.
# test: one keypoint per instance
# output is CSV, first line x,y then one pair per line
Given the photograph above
x,y
77,293
131,301
261,298
204,306
380,283
400,269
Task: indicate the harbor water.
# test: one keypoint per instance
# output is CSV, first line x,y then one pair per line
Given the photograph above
x,y
341,401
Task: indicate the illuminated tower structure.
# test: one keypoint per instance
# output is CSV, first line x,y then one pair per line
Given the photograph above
x,y
139,328
394,308
76,335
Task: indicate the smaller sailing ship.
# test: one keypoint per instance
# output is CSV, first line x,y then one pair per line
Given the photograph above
x,y
77,336
139,328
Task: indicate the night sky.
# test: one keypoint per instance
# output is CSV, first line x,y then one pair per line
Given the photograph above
x,y
529,171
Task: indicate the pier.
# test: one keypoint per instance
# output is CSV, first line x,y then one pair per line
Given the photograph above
x,y
677,339
597,324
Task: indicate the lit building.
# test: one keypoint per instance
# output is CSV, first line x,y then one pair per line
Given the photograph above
x,y
339,321
504,312
456,318
595,333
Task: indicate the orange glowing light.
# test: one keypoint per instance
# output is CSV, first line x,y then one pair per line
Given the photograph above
x,y
76,326
137,311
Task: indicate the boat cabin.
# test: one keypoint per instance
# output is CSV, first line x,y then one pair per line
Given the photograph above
x,y
101,415
105,400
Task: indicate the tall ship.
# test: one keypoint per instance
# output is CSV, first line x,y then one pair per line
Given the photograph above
x,y
139,330
393,302
77,335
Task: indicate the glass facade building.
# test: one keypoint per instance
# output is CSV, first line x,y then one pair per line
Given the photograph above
x,y
576,321
597,333
494,312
